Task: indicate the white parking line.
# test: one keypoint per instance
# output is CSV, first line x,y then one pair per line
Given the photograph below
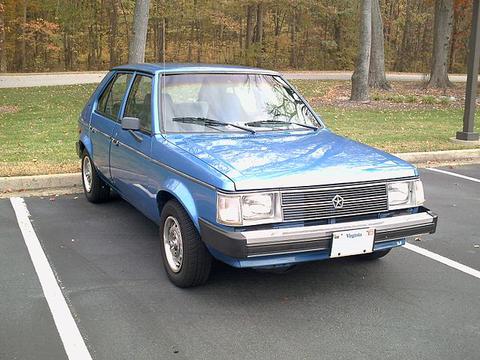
x,y
67,328
454,174
443,260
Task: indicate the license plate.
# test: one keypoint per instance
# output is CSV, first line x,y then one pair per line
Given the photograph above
x,y
352,242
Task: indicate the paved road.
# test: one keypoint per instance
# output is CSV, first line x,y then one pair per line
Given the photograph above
x,y
107,261
46,79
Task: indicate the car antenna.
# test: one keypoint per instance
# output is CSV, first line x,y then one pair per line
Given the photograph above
x,y
162,84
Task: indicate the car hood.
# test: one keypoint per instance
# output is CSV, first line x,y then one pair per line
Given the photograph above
x,y
291,159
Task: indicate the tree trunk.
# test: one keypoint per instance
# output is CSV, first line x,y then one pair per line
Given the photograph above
x,y
442,36
376,75
276,33
136,52
3,52
401,58
20,48
250,24
453,46
112,36
293,40
163,40
198,32
360,91
259,34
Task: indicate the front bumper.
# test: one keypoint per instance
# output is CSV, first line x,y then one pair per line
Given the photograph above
x,y
280,241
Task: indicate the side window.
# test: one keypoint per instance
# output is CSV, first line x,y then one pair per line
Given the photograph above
x,y
102,102
139,102
111,100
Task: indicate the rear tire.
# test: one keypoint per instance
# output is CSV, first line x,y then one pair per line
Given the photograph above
x,y
375,255
94,188
186,259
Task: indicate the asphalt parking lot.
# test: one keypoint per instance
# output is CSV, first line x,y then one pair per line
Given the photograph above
x,y
107,263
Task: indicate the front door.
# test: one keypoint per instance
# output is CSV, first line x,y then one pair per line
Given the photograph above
x,y
130,163
105,120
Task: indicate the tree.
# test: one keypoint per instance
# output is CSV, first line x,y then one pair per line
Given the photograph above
x,y
3,52
136,51
360,90
259,33
112,36
442,36
250,25
376,75
281,34
20,47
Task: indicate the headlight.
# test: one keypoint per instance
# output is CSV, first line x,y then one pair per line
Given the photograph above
x,y
248,209
228,210
405,194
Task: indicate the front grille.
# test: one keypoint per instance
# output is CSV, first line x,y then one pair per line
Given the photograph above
x,y
317,203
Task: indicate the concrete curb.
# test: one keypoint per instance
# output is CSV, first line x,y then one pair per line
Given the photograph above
x,y
39,182
63,181
440,156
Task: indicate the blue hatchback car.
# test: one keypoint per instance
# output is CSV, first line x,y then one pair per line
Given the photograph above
x,y
233,164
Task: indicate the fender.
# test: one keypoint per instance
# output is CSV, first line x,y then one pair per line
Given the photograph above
x,y
178,190
87,144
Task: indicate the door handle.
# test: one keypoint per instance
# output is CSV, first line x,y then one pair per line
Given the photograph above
x,y
92,129
115,142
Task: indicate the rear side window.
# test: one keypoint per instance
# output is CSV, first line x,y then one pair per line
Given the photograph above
x,y
139,102
111,100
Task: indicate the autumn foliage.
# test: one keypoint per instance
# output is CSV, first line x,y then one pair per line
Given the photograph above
x,y
56,35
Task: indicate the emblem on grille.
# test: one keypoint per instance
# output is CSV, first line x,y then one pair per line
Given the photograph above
x,y
337,202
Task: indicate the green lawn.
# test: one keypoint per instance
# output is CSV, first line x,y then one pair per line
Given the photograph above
x,y
38,126
398,130
39,135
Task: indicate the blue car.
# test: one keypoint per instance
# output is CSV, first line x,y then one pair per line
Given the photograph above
x,y
233,164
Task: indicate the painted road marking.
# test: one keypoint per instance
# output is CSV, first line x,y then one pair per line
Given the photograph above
x,y
67,328
454,174
453,264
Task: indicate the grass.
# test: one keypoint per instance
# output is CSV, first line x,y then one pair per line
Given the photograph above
x,y
38,126
38,133
398,130
410,99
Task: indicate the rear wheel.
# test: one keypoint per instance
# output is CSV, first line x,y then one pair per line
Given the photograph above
x,y
185,257
375,255
95,189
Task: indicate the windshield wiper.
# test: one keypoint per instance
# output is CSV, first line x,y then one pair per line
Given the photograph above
x,y
209,122
259,123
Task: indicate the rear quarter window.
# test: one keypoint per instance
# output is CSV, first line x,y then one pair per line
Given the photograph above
x,y
111,99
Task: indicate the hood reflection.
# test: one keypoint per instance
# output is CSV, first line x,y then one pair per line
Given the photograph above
x,y
300,158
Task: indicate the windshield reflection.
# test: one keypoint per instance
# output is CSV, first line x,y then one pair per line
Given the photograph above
x,y
257,101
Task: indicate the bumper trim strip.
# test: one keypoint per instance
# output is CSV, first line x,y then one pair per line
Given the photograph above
x,y
244,244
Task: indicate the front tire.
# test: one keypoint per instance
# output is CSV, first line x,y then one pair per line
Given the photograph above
x,y
186,260
94,188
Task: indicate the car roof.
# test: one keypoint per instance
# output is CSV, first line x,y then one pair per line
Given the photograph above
x,y
180,68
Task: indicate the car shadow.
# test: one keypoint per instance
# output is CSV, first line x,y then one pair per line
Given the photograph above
x,y
115,243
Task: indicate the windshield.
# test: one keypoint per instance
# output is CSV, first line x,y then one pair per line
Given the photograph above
x,y
210,102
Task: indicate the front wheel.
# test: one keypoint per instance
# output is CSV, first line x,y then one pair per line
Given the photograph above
x,y
95,189
185,257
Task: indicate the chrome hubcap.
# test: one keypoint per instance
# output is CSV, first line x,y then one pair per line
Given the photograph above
x,y
173,244
87,173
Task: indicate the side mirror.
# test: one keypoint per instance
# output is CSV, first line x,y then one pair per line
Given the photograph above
x,y
131,123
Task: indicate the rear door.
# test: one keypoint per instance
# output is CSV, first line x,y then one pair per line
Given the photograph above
x,y
105,120
130,163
